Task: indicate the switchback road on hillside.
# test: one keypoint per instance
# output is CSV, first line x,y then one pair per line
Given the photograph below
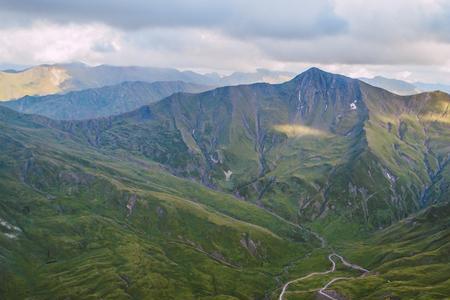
x,y
331,270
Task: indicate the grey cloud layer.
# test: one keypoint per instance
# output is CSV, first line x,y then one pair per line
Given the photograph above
x,y
283,19
229,35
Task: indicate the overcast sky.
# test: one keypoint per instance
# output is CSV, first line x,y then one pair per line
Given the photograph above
x,y
405,39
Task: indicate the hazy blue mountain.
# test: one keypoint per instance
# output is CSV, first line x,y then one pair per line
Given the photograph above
x,y
432,87
100,102
61,78
12,68
396,86
401,87
261,75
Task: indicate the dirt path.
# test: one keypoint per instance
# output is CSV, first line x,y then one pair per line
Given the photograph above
x,y
330,258
331,270
286,285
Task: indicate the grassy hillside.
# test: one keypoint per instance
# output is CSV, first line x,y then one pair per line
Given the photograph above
x,y
199,196
410,260
82,224
321,146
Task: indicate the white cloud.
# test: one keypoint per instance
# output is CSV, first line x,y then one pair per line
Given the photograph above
x,y
45,42
407,39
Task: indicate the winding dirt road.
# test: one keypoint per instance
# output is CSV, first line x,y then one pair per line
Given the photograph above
x,y
333,264
331,270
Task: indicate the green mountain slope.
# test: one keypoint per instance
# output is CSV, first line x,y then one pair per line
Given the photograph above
x,y
83,224
198,196
410,260
319,145
100,102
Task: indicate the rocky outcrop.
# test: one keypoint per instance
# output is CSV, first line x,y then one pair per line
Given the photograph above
x,y
131,203
249,245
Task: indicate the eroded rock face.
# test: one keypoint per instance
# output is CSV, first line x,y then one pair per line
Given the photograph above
x,y
131,204
249,244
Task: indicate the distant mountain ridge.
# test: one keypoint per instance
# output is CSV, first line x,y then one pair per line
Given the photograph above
x,y
61,78
100,102
401,87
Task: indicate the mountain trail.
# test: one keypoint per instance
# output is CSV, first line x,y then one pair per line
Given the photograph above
x,y
331,270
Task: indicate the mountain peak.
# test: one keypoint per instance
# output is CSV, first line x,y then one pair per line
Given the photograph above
x,y
319,77
315,73
314,69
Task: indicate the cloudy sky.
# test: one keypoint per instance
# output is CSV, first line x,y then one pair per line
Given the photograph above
x,y
405,39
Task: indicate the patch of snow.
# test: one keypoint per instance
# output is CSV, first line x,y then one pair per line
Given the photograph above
x,y
131,203
9,226
227,175
11,235
353,106
213,159
299,105
389,176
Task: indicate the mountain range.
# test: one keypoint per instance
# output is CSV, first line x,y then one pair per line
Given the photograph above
x,y
230,193
100,102
405,88
61,78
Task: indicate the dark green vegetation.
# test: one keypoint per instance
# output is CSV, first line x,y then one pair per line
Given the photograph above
x,y
410,260
83,224
198,195
100,102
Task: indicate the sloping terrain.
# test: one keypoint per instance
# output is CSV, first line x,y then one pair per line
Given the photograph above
x,y
81,224
100,102
319,145
410,260
40,80
209,195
